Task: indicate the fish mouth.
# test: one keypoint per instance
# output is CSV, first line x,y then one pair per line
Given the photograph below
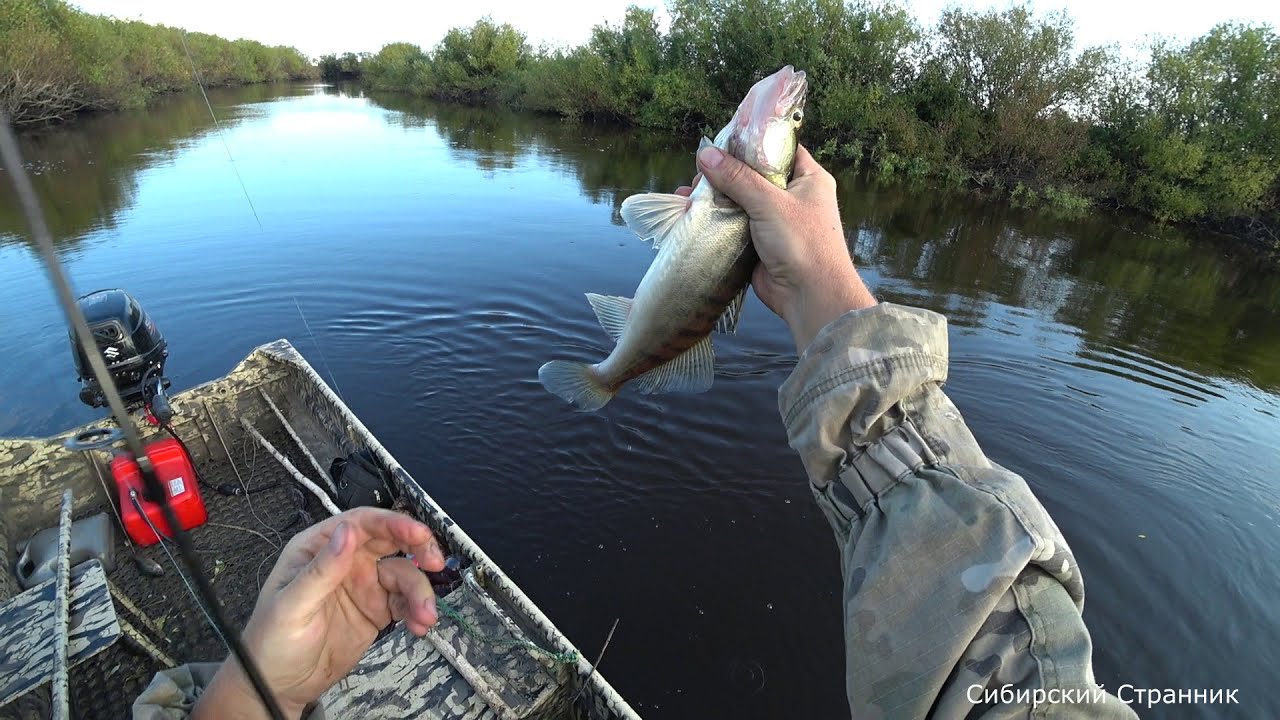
x,y
795,86
775,96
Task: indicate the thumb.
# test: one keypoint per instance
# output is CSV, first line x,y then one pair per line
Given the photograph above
x,y
738,180
324,573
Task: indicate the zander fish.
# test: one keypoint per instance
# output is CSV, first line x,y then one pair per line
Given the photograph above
x,y
705,259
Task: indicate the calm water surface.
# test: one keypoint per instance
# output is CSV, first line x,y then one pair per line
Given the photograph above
x,y
440,255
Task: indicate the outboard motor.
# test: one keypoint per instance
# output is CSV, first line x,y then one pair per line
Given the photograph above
x,y
133,349
134,352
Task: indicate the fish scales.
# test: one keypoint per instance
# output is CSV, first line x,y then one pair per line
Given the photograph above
x,y
692,283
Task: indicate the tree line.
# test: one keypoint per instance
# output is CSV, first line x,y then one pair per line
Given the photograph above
x,y
56,61
997,99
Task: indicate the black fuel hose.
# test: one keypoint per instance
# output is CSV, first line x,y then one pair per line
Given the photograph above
x,y
227,489
231,490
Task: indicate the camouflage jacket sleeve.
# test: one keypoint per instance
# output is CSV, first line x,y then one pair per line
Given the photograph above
x,y
959,590
172,693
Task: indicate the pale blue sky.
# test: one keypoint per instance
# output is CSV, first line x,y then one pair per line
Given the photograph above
x,y
367,25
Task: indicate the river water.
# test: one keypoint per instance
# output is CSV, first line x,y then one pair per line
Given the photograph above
x,y
439,256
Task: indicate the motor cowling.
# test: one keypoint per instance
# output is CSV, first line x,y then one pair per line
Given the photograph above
x,y
132,348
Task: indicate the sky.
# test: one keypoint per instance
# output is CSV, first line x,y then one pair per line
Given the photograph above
x,y
368,25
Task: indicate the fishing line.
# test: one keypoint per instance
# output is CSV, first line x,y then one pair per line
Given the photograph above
x,y
244,452
239,478
11,157
258,574
223,138
218,127
323,359
133,497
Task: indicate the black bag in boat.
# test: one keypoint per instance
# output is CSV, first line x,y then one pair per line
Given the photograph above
x,y
361,481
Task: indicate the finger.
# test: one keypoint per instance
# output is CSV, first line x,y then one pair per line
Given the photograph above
x,y
687,190
398,606
328,568
402,579
738,180
383,532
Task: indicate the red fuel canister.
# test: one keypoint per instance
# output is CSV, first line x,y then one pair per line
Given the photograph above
x,y
176,474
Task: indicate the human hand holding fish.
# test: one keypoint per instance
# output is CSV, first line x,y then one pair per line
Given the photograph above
x,y
708,252
805,274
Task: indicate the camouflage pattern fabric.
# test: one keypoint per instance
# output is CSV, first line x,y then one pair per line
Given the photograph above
x,y
956,581
173,693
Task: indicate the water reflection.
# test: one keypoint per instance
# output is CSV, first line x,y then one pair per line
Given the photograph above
x,y
1183,300
1198,304
85,173
609,163
1203,306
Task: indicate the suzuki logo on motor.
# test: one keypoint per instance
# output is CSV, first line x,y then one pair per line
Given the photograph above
x,y
111,352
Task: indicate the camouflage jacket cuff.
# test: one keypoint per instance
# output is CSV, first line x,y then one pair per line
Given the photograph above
x,y
858,367
172,693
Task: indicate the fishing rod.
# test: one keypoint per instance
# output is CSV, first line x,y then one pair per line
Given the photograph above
x,y
11,157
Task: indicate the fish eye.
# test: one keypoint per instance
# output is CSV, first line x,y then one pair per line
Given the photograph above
x,y
797,116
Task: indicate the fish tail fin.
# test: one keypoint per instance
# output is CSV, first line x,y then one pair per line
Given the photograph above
x,y
575,382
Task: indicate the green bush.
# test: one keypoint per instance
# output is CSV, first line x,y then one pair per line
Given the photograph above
x,y
401,67
482,63
1065,201
1001,81
1206,141
477,64
56,60
572,84
348,66
1022,196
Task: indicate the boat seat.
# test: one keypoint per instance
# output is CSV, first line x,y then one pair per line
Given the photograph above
x,y
26,629
404,676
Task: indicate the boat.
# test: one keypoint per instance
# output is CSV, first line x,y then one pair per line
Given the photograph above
x,y
264,440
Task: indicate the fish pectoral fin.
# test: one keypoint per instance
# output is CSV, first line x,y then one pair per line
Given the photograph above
x,y
704,142
689,372
612,311
728,322
652,215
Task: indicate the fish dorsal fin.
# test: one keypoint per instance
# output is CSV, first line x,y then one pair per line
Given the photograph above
x,y
728,322
612,312
652,215
690,372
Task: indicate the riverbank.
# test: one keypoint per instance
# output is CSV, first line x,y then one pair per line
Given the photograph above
x,y
1001,100
57,61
